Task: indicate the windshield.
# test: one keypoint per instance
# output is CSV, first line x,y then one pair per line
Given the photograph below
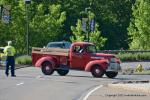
x,y
91,49
56,45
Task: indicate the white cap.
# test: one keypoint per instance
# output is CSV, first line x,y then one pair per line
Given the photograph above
x,y
9,42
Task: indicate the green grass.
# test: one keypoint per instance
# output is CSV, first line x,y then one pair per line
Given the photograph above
x,y
24,60
133,56
145,72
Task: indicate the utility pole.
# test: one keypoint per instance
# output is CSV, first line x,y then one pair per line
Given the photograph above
x,y
27,2
88,26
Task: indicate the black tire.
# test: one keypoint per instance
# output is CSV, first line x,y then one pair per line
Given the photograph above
x,y
47,68
97,71
111,74
62,72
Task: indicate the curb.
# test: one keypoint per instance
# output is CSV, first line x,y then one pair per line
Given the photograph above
x,y
145,87
16,67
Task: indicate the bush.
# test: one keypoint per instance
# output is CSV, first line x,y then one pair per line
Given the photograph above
x,y
24,60
133,56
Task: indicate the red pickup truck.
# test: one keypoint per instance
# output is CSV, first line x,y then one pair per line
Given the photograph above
x,y
80,56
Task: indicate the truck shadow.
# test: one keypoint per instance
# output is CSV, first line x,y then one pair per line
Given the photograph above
x,y
82,76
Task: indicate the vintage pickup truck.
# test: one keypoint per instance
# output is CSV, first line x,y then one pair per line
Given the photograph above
x,y
81,56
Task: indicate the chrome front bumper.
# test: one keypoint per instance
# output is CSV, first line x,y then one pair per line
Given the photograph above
x,y
113,66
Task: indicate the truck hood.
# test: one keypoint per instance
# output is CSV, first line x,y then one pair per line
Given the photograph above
x,y
102,55
98,56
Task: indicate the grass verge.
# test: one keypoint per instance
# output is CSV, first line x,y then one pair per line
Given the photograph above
x,y
145,72
24,60
134,56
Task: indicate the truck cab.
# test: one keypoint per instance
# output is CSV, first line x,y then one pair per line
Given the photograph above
x,y
81,56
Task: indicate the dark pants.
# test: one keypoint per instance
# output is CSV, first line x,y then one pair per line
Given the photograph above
x,y
10,61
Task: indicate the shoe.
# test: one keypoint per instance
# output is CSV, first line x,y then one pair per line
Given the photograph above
x,y
13,75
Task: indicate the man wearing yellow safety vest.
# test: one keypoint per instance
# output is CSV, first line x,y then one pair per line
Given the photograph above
x,y
9,51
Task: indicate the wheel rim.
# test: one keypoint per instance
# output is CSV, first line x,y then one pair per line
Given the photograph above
x,y
47,68
97,71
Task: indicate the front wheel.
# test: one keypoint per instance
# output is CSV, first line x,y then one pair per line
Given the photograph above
x,y
97,71
111,74
47,68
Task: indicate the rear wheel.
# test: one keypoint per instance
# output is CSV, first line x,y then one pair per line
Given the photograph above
x,y
47,68
111,74
62,72
97,71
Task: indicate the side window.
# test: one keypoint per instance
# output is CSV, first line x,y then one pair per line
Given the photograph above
x,y
77,49
91,49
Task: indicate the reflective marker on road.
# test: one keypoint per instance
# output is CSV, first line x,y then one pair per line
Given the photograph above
x,y
20,83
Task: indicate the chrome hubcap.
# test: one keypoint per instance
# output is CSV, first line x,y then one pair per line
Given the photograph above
x,y
97,71
47,68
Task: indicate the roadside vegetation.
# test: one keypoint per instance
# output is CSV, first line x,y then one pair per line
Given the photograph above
x,y
24,60
110,24
134,56
144,72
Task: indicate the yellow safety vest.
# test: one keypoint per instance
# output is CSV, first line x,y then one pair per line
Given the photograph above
x,y
9,51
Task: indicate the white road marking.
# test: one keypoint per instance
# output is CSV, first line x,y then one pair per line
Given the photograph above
x,y
86,97
21,83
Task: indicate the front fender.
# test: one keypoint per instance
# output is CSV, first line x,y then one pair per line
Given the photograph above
x,y
43,59
103,63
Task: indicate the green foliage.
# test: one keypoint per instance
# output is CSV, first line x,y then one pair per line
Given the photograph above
x,y
24,60
47,27
139,29
134,56
94,37
45,24
50,20
113,16
79,35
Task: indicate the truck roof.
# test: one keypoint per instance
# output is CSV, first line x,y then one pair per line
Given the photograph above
x,y
82,43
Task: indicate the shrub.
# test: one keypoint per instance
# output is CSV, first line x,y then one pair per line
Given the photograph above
x,y
133,56
24,60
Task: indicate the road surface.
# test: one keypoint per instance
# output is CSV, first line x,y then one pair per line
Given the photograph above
x,y
31,84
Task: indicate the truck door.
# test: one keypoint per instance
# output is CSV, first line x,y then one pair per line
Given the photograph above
x,y
77,59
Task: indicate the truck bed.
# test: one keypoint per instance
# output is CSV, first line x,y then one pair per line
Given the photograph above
x,y
51,51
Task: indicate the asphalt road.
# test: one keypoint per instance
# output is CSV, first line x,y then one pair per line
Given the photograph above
x,y
31,84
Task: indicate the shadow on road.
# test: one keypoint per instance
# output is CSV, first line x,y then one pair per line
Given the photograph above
x,y
76,76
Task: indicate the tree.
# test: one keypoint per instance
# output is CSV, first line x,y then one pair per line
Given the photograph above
x,y
78,34
97,39
47,27
112,15
95,36
139,29
45,24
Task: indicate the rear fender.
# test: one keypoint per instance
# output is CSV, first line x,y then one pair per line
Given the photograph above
x,y
103,63
44,59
